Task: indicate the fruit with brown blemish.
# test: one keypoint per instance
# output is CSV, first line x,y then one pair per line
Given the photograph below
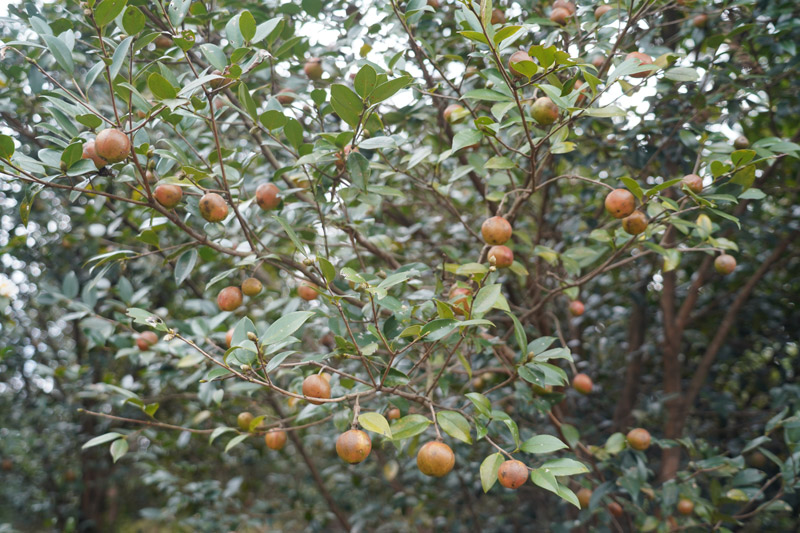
x,y
635,223
268,196
112,145
725,264
353,446
501,256
275,439
435,459
168,195
229,298
316,387
638,439
146,339
496,230
213,207
512,474
620,203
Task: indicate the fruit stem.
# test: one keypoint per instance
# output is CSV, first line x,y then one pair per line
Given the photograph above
x,y
356,411
435,424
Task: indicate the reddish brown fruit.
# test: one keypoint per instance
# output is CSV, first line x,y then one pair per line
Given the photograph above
x,y
435,459
582,383
685,507
229,298
635,223
229,337
434,4
512,474
700,21
725,264
496,230
145,340
601,10
453,109
584,497
353,446
251,286
168,195
307,291
268,196
559,15
243,420
498,16
8,464
576,308
544,111
285,96
639,439
89,152
275,439
163,41
313,68
620,203
615,509
213,207
459,297
565,4
741,142
693,182
644,59
501,256
393,414
112,145
598,61
315,386
517,57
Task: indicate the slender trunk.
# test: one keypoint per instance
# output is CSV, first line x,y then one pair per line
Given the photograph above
x,y
637,327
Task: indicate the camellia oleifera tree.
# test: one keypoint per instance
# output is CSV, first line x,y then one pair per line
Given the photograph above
x,y
547,245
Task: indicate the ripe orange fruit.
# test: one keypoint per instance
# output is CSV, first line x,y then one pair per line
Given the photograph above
x,y
145,340
501,256
635,223
584,497
615,509
285,97
565,4
512,474
315,386
644,59
693,182
229,298
267,196
89,152
685,506
559,15
459,297
639,439
213,207
168,195
435,459
313,68
307,291
498,16
601,10
353,446
620,203
700,21
582,383
496,230
517,57
251,286
229,337
393,414
576,308
725,264
275,439
112,145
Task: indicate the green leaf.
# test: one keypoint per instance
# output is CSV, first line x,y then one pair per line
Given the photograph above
x,y
161,87
184,265
499,162
486,298
519,334
682,74
118,60
365,81
541,444
177,10
250,104
568,495
455,425
480,402
235,441
290,232
327,269
358,168
6,146
108,11
284,326
564,467
409,426
133,20
347,104
294,132
633,186
742,157
388,89
487,95
118,449
217,432
544,479
247,25
215,55
69,287
61,52
102,439
489,468
376,423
